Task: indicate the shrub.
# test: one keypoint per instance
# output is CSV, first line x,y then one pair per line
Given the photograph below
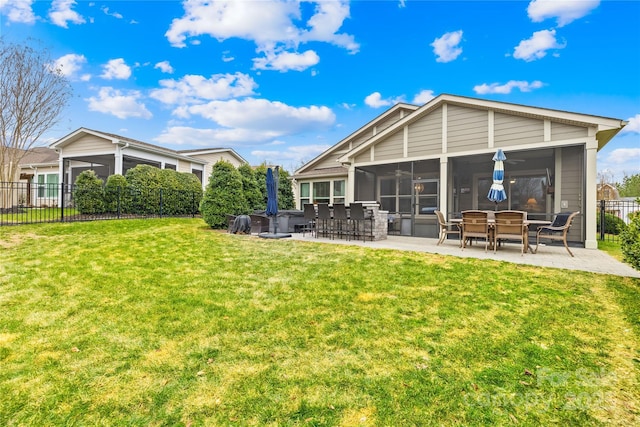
x,y
223,195
250,188
612,224
630,241
116,194
88,194
144,185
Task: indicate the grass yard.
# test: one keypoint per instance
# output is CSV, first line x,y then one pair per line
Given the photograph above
x,y
167,322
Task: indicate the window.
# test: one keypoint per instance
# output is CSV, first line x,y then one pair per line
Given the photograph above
x,y
426,196
304,193
48,185
321,192
338,191
395,194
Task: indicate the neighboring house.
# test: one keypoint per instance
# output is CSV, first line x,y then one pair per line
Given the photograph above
x,y
109,154
413,160
607,192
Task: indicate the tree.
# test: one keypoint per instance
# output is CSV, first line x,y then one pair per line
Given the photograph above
x,y
630,186
223,195
285,191
250,187
33,95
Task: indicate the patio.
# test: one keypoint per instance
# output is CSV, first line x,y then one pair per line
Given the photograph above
x,y
555,256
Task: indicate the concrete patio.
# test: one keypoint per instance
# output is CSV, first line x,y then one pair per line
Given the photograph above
x,y
590,260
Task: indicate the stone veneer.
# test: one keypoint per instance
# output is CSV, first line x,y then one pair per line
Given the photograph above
x,y
380,219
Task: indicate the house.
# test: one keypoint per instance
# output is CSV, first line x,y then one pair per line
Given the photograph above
x,y
107,154
607,192
413,160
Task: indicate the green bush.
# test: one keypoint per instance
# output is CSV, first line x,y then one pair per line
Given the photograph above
x,y
144,186
116,194
224,195
88,195
612,224
630,241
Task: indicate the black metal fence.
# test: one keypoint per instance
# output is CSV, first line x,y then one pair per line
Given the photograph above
x,y
27,203
613,216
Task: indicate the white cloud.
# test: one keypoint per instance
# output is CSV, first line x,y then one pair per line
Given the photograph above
x,y
108,13
565,11
196,89
523,86
70,65
536,47
285,61
116,69
624,155
184,135
269,118
61,13
272,25
633,126
165,67
375,100
120,104
296,154
423,97
447,47
18,11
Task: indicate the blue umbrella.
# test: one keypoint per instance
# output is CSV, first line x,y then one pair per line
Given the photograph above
x,y
272,194
496,192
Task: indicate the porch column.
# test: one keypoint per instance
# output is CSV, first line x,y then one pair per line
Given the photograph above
x,y
351,185
444,166
591,183
117,169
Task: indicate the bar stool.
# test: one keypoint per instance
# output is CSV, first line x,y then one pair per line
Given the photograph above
x,y
323,226
362,226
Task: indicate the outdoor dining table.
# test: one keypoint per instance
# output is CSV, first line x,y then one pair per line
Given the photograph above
x,y
527,222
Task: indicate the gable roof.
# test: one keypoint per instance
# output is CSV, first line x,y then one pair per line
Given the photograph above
x,y
308,167
144,146
606,128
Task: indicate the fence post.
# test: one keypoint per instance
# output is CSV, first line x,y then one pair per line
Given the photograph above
x,y
602,218
193,204
62,202
161,193
119,199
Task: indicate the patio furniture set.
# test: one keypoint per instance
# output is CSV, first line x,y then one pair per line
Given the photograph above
x,y
497,227
339,220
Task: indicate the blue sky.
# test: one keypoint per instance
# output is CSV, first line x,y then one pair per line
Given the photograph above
x,y
281,81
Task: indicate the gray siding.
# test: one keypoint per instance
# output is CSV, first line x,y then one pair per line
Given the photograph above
x,y
515,130
573,186
365,156
391,147
561,131
425,135
330,161
467,129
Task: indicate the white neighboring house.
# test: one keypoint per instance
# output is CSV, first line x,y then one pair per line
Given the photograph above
x,y
107,154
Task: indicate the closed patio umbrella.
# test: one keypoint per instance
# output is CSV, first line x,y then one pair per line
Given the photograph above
x,y
496,192
272,204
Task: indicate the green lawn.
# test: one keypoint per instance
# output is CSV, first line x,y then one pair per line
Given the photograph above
x,y
167,322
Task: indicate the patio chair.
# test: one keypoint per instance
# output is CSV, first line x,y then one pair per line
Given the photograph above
x,y
259,224
509,225
323,226
340,221
309,219
230,220
557,230
475,225
447,228
361,223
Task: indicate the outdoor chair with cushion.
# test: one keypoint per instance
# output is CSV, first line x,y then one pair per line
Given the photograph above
x,y
447,228
475,225
510,225
557,230
309,219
